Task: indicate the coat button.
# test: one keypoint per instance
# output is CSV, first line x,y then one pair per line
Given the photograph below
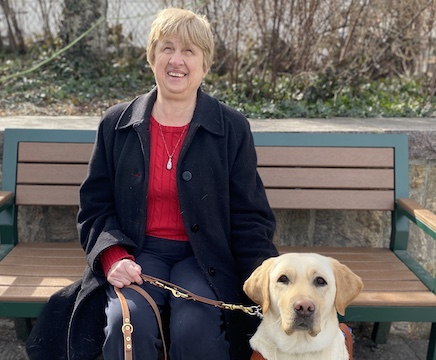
x,y
187,175
195,228
211,271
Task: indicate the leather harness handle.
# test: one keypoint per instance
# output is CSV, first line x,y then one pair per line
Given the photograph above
x,y
127,327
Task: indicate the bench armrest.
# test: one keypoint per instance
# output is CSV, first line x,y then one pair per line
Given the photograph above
x,y
6,199
426,221
419,215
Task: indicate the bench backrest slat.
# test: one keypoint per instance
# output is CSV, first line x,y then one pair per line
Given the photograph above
x,y
331,178
45,152
61,195
316,156
330,199
55,174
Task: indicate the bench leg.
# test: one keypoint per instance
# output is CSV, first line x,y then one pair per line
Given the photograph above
x,y
431,352
380,332
23,326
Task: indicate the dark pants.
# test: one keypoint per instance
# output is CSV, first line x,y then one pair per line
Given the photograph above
x,y
195,329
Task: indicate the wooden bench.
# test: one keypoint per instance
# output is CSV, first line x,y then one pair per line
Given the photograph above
x,y
301,171
40,167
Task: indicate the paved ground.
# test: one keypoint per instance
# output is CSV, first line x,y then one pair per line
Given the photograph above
x,y
399,347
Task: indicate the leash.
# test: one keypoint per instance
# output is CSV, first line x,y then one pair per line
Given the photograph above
x,y
176,291
180,292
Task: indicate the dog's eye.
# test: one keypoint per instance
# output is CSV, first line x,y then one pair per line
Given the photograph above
x,y
319,281
283,279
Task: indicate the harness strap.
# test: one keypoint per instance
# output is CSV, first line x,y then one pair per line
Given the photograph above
x,y
257,356
127,327
348,339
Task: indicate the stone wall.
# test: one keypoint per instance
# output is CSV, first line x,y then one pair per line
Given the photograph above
x,y
308,227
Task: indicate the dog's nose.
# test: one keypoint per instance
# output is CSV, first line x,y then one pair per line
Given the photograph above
x,y
304,308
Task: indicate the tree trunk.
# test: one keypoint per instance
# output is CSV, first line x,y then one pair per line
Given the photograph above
x,y
15,36
78,17
45,13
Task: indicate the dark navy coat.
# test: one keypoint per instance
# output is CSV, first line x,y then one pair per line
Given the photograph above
x,y
223,203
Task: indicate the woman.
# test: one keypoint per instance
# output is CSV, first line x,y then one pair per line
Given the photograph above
x,y
173,192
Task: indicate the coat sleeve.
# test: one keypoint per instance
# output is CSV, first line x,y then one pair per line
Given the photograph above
x,y
252,220
97,222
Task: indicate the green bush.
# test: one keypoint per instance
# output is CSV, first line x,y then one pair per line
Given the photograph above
x,y
90,87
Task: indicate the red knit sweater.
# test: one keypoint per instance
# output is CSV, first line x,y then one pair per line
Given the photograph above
x,y
164,217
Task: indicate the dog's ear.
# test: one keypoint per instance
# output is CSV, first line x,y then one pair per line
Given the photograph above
x,y
257,285
348,285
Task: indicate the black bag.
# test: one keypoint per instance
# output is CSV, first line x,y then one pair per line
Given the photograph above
x,y
48,338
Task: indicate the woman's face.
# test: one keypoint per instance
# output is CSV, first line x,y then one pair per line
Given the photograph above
x,y
178,69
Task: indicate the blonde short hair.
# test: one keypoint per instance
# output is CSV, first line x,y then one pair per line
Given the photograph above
x,y
189,26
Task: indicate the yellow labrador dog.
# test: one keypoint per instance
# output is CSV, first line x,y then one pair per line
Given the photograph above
x,y
300,295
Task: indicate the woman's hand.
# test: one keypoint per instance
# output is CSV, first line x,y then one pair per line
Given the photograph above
x,y
124,272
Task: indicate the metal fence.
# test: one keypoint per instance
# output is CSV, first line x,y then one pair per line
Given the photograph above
x,y
36,17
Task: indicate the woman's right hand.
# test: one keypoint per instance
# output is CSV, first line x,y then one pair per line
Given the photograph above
x,y
124,272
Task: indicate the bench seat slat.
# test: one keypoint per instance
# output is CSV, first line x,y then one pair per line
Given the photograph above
x,y
368,265
380,254
76,255
399,286
330,199
25,247
325,157
46,261
34,253
374,274
421,299
59,271
27,293
37,280
327,179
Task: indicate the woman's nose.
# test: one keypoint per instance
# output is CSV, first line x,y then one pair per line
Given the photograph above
x,y
176,58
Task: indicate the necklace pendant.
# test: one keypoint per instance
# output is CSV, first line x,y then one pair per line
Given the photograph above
x,y
169,164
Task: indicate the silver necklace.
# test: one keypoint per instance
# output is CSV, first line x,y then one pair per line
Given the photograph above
x,y
170,156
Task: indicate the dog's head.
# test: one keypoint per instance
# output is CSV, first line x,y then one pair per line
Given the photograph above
x,y
303,290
